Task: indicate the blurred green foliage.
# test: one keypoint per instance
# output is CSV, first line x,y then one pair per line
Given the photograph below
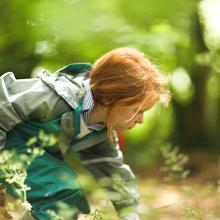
x,y
182,38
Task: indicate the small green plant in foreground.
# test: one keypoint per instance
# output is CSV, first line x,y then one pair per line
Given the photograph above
x,y
174,163
13,165
64,212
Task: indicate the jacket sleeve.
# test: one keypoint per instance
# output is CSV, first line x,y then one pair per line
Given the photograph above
x,y
22,99
105,162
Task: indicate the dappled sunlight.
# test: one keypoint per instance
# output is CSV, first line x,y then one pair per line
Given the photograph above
x,y
182,85
210,12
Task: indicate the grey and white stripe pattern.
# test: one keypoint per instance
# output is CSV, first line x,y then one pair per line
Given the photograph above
x,y
87,107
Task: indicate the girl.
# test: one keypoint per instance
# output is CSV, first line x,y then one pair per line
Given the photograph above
x,y
83,105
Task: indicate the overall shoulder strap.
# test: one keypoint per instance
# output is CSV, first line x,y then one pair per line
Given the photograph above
x,y
70,128
77,116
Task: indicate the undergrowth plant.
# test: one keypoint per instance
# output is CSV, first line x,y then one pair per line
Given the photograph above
x,y
13,165
174,164
175,168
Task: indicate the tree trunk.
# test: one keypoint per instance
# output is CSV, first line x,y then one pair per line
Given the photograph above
x,y
191,124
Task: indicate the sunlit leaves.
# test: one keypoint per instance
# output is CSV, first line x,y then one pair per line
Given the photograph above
x,y
209,10
182,86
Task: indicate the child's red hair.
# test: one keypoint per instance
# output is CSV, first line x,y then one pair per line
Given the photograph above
x,y
123,77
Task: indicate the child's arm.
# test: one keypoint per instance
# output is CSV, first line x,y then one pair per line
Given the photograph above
x,y
106,161
21,100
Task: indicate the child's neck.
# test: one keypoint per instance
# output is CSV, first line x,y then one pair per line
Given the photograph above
x,y
98,114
